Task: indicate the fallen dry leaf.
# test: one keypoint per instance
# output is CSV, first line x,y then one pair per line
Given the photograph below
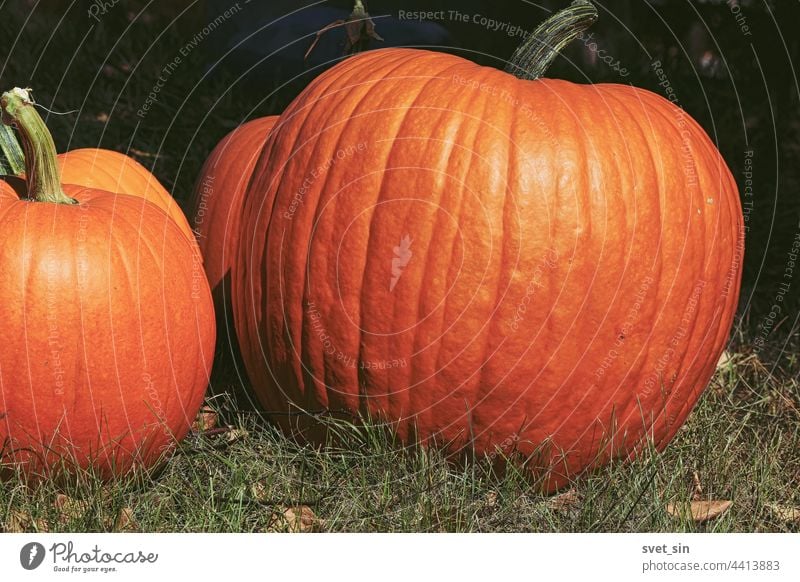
x,y
236,434
699,511
258,491
724,360
206,420
69,508
21,522
125,521
785,513
297,519
565,501
359,30
490,500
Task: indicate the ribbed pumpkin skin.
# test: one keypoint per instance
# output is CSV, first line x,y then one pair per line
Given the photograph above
x,y
115,172
217,198
573,275
107,334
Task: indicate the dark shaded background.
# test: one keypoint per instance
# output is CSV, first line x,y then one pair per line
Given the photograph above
x,y
95,73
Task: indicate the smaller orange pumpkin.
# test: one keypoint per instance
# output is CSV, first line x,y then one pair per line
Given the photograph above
x,y
100,169
107,328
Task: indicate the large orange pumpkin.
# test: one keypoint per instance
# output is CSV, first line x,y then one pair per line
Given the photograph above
x,y
216,215
108,327
521,268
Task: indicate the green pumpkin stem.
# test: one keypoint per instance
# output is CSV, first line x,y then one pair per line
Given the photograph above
x,y
535,55
12,159
41,166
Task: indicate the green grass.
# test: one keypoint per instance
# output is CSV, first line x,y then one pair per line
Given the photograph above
x,y
742,443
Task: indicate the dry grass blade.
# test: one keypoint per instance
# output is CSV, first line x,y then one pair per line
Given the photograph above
x,y
698,511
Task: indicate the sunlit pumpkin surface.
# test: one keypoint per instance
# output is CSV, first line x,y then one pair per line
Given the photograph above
x,y
529,269
107,333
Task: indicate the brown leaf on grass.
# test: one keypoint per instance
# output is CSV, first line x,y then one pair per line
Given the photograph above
x,y
206,420
259,491
236,434
21,521
565,501
785,513
699,511
125,521
297,519
724,361
69,509
490,499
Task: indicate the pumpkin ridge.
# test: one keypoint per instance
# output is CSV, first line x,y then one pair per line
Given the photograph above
x,y
387,74
115,255
702,147
571,108
611,399
482,390
534,94
421,374
169,395
416,382
561,157
310,354
335,393
253,292
116,246
615,205
656,271
303,359
628,118
404,398
580,313
688,352
27,277
686,253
